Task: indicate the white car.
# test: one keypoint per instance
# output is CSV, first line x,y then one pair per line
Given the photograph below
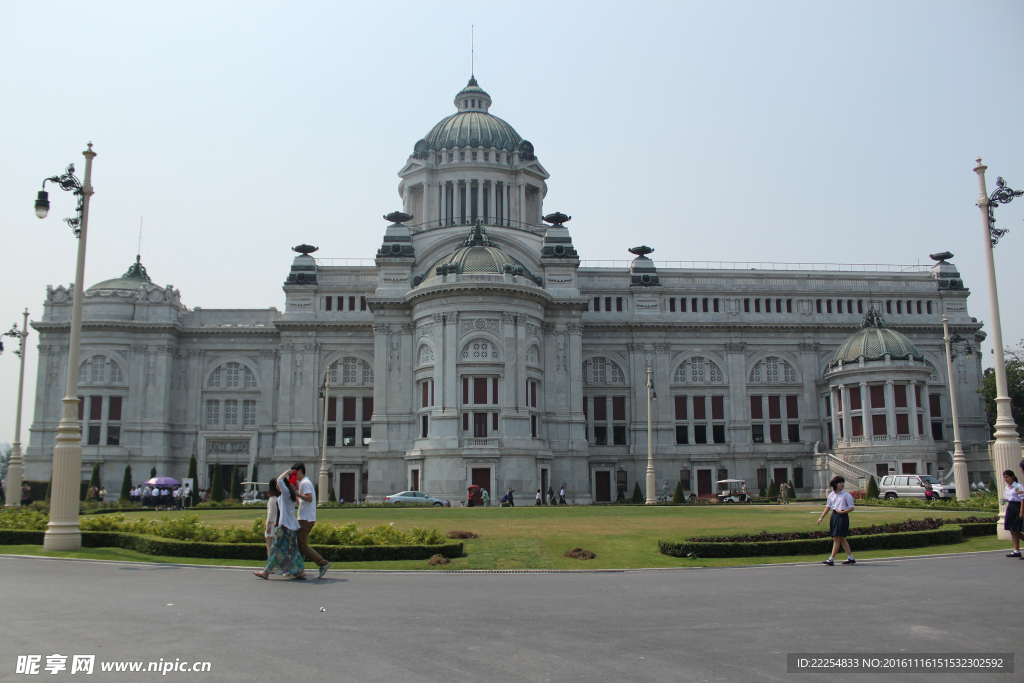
x,y
912,486
416,497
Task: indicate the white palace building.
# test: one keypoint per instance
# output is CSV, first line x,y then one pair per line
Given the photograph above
x,y
479,349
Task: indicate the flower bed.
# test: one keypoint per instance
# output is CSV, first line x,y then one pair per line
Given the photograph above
x,y
910,534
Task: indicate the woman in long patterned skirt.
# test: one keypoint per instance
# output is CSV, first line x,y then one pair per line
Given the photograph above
x,y
284,551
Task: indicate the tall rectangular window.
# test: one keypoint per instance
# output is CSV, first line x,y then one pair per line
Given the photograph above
x,y
600,409
789,305
618,407
114,409
682,305
95,407
877,395
699,409
348,409
362,303
368,405
717,407
332,409
693,305
618,304
680,407
479,390
715,302
746,305
756,408
705,305
351,303
818,302
212,413
672,305
860,305
329,300
608,303
792,409
597,303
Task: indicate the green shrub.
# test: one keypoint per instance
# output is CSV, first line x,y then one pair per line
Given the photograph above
x,y
217,485
761,493
773,490
126,484
638,496
678,498
872,488
551,496
152,472
945,535
620,497
792,489
236,483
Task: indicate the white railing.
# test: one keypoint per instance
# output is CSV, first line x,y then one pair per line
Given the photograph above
x,y
880,438
766,265
904,437
835,463
481,443
346,262
856,439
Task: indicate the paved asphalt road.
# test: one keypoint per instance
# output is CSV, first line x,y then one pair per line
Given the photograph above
x,y
674,625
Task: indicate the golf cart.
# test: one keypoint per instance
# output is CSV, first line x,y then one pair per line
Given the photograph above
x,y
253,495
733,492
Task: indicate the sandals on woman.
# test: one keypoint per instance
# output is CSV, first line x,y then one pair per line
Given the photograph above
x,y
300,577
261,575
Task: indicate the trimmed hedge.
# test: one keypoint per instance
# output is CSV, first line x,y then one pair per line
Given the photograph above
x,y
154,545
984,529
947,534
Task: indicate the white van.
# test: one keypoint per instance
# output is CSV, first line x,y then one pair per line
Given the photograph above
x,y
912,486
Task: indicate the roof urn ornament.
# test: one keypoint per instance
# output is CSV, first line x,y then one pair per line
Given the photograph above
x,y
557,218
641,251
941,256
305,249
398,217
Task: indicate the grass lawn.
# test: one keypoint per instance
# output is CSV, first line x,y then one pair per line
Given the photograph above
x,y
529,537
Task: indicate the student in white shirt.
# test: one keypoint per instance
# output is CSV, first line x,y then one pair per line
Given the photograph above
x,y
840,503
270,528
1013,519
284,551
307,518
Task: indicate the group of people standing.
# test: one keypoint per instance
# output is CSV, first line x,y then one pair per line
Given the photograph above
x,y
287,533
155,496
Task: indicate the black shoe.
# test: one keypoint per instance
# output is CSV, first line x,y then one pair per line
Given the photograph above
x,y
829,562
849,560
1015,553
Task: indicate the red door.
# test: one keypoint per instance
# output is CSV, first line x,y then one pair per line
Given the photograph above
x,y
779,473
347,487
704,483
482,478
415,480
603,487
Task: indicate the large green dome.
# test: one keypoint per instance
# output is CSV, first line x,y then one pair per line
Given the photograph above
x,y
472,126
875,341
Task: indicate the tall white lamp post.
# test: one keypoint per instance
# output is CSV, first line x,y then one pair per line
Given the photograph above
x,y
1007,443
62,532
963,490
324,480
14,467
651,482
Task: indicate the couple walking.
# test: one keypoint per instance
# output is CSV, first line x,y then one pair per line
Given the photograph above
x,y
288,537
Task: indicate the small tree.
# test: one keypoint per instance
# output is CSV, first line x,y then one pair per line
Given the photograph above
x,y
620,497
152,472
872,488
94,480
678,497
216,485
126,483
49,486
236,482
761,493
792,489
193,474
638,495
255,473
773,490
551,495
331,498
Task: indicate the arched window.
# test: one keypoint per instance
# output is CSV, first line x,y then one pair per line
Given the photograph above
x,y
231,376
773,370
600,370
99,370
426,355
698,370
350,370
533,355
481,349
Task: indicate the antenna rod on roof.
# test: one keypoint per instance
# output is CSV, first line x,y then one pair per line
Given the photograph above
x,y
472,52
138,252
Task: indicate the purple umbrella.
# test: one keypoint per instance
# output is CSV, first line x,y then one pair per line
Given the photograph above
x,y
163,481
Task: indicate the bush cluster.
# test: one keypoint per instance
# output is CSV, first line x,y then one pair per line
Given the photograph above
x,y
579,554
893,528
461,534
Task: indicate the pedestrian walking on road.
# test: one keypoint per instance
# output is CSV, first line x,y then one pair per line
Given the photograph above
x,y
1013,521
511,500
284,551
307,518
270,528
784,494
840,503
539,502
487,498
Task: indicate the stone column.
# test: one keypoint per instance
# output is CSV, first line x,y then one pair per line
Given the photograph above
x,y
450,349
912,401
783,414
575,363
505,209
767,419
457,199
492,206
443,218
890,409
847,431
379,427
865,411
441,399
513,397
835,415
927,422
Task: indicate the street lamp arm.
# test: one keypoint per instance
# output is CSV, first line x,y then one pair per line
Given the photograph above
x,y
69,183
1001,195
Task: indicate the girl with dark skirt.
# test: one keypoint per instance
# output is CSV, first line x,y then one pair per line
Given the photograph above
x,y
841,504
1013,520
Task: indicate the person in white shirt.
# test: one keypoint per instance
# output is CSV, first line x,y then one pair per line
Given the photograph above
x,y
1013,519
307,518
840,503
284,553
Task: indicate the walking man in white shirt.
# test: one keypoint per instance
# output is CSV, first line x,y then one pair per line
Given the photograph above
x,y
307,518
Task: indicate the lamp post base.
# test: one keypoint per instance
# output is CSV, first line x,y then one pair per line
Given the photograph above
x,y
1007,457
13,491
62,532
651,485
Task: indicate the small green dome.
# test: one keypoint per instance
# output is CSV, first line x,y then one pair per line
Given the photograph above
x,y
478,254
875,341
132,280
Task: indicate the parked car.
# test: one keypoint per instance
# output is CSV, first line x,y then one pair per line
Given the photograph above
x,y
416,497
912,486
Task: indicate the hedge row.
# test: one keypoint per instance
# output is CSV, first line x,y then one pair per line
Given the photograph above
x,y
947,534
168,547
985,529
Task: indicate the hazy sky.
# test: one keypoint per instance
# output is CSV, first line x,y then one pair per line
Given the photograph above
x,y
731,131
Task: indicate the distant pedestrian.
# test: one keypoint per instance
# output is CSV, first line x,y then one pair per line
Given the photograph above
x,y
539,502
102,494
147,496
284,551
487,498
664,492
307,518
561,495
784,494
840,502
511,500
1013,520
26,494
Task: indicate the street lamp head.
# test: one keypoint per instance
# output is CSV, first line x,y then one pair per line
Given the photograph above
x,y
42,204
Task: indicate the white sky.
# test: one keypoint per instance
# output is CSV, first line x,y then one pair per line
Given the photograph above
x,y
734,131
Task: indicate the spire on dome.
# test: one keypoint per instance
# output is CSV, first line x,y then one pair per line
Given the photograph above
x,y
137,271
472,97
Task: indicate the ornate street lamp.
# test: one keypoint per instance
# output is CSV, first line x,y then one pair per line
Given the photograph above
x,y
1006,448
959,461
324,480
62,532
14,467
651,480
